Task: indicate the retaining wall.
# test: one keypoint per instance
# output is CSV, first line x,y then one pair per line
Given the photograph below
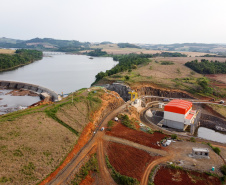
x,y
36,88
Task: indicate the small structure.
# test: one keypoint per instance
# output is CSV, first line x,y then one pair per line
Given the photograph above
x,y
116,118
166,143
200,152
102,129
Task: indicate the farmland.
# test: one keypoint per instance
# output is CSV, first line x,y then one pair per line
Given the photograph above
x,y
114,49
127,160
136,136
7,51
170,176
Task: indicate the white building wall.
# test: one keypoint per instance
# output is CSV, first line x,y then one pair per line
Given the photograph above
x,y
174,116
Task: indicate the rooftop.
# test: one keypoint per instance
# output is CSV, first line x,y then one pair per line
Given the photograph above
x,y
200,149
189,116
178,106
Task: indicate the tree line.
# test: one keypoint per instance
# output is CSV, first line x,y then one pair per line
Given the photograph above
x,y
126,62
97,53
207,67
21,57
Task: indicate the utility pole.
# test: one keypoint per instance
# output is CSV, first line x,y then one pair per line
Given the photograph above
x,y
72,98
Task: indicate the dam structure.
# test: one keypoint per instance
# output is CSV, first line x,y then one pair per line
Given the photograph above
x,y
31,87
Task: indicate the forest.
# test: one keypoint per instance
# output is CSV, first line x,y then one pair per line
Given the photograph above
x,y
97,53
21,57
207,67
169,54
126,62
127,45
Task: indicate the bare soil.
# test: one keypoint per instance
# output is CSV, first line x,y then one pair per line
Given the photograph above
x,y
170,176
183,149
218,77
89,180
140,137
127,160
22,93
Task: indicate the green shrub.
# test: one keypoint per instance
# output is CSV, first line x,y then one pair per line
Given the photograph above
x,y
217,150
192,139
29,169
110,123
166,63
223,169
150,131
127,77
126,121
174,136
18,153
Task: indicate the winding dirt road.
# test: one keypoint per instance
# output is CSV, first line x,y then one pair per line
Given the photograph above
x,y
63,176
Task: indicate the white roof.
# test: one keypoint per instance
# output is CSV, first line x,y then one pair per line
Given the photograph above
x,y
200,149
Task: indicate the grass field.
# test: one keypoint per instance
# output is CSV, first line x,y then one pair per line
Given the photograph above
x,y
7,51
114,49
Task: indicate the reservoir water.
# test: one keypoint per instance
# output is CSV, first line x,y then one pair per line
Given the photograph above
x,y
211,135
61,73
58,72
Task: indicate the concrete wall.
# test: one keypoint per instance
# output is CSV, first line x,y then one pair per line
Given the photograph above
x,y
36,88
174,124
174,116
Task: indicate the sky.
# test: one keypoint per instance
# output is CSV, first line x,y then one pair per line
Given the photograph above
x,y
133,21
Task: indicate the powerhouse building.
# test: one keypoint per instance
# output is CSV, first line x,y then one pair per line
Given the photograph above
x,y
178,114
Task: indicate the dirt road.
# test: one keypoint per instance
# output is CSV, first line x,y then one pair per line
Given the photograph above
x,y
144,180
105,176
63,175
135,145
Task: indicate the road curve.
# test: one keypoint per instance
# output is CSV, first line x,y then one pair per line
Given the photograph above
x,y
62,176
135,145
144,180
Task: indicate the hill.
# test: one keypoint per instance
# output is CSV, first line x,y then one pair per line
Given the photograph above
x,y
35,141
45,44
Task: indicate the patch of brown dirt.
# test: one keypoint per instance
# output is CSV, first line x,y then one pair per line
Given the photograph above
x,y
218,77
166,175
140,137
88,180
127,160
22,93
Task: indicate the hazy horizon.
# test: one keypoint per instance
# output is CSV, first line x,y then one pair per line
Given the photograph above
x,y
144,21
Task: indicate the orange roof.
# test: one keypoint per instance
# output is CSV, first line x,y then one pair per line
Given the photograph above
x,y
178,106
189,116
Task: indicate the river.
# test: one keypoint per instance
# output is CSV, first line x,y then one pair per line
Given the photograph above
x,y
59,72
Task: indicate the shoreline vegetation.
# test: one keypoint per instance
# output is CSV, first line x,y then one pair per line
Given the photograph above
x,y
20,58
